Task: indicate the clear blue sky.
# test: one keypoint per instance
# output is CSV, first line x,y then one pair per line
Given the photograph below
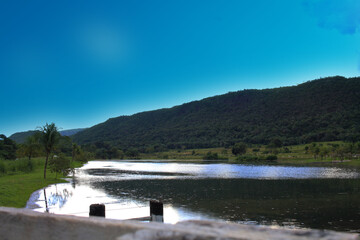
x,y
78,63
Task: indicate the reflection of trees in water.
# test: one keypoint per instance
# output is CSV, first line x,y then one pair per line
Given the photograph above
x,y
59,197
74,180
315,203
46,202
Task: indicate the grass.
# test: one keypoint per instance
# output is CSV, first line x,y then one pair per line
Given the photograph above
x,y
16,187
188,154
295,155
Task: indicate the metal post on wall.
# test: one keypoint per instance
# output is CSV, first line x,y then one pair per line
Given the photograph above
x,y
156,211
97,210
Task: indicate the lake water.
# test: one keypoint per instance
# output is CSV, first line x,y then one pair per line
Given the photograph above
x,y
293,197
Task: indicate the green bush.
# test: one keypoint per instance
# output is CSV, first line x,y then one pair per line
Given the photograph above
x,y
239,149
214,156
211,156
271,158
60,164
248,158
286,150
81,157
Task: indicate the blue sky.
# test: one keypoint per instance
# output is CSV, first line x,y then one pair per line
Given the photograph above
x,y
78,63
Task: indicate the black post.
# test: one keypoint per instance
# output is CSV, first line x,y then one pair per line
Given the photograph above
x,y
97,210
156,211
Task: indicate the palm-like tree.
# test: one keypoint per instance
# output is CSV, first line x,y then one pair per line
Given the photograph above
x,y
49,138
75,151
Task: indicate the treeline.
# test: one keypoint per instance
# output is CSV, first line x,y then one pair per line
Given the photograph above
x,y
10,150
334,151
318,151
321,110
59,152
7,148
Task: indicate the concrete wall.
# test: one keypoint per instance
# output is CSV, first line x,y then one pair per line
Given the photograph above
x,y
30,225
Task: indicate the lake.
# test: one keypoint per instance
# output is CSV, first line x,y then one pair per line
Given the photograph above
x,y
292,197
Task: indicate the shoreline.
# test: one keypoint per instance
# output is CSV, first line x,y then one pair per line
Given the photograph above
x,y
31,203
16,189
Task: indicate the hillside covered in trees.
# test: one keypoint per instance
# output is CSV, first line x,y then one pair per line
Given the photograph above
x,y
321,110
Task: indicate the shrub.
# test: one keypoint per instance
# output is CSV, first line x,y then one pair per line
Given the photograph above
x,y
239,148
60,164
271,158
248,158
286,150
81,157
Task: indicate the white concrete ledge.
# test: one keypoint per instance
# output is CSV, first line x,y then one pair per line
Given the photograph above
x,y
30,225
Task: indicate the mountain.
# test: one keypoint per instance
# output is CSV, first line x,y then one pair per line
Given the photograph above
x,y
319,110
71,132
20,137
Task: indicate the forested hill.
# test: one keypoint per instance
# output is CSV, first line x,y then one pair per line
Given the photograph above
x,y
20,137
319,110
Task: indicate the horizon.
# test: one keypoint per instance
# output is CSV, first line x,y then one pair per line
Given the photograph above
x,y
79,64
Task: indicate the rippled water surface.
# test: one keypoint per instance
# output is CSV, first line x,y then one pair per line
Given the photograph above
x,y
315,197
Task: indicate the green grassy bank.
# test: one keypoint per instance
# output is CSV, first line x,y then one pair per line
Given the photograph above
x,y
286,155
17,186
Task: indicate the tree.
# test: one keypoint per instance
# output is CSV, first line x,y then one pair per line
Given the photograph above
x,y
60,164
75,151
80,155
7,148
239,148
64,146
324,151
275,143
306,149
31,146
49,138
132,153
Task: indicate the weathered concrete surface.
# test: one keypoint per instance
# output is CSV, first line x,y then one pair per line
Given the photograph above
x,y
26,224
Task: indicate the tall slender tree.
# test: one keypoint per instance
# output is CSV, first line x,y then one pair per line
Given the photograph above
x,y
49,138
75,151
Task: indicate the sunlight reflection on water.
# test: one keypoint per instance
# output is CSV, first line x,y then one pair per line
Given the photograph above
x,y
149,170
65,199
109,182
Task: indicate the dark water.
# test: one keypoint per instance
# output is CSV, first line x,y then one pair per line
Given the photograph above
x,y
296,197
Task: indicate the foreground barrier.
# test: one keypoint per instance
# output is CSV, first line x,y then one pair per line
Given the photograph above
x,y
30,225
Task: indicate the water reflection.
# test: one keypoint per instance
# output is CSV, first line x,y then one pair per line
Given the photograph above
x,y
324,198
150,170
63,199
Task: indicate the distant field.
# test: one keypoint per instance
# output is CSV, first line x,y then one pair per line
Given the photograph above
x,y
295,154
